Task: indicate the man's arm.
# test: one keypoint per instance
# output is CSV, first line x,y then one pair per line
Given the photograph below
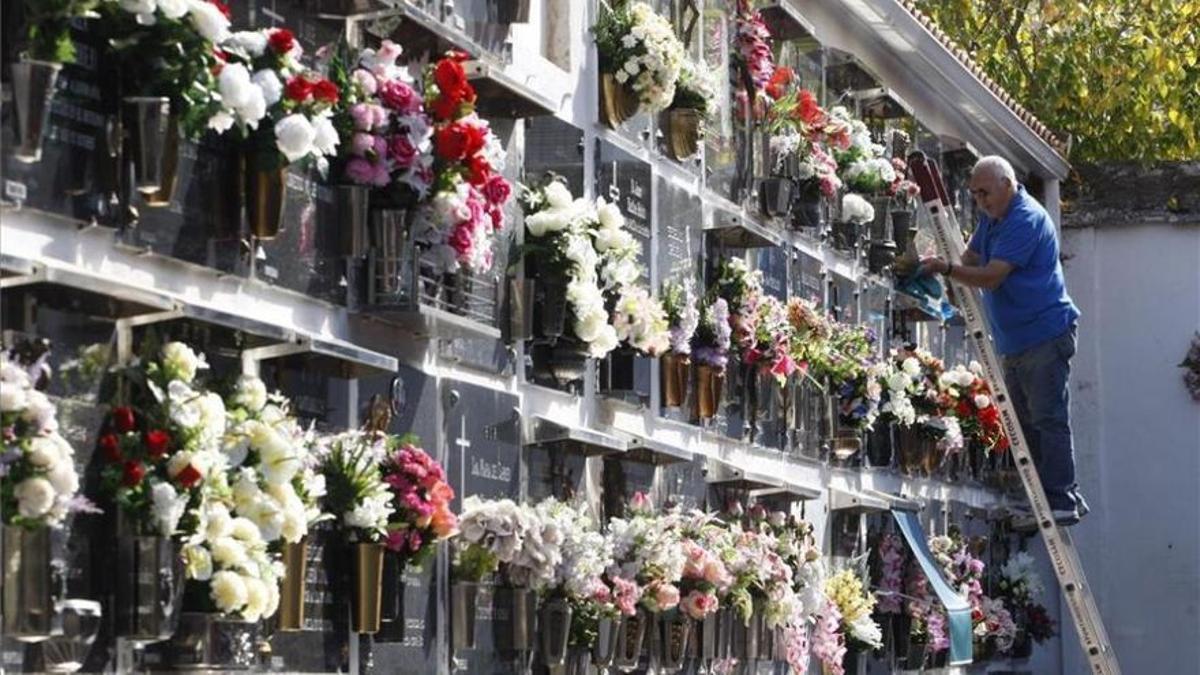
x,y
970,258
989,276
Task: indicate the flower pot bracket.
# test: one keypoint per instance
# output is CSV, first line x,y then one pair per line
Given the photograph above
x,y
785,22
502,95
737,230
851,501
647,450
897,502
418,31
70,290
789,492
719,473
543,432
881,103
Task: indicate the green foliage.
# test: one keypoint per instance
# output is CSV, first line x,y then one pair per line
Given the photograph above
x,y
1122,77
49,28
474,562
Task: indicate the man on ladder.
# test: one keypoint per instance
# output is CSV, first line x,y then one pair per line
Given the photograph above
x,y
1014,257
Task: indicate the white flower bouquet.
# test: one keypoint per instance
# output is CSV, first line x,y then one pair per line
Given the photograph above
x,y
641,322
683,313
38,481
355,492
274,480
284,110
229,555
639,48
648,549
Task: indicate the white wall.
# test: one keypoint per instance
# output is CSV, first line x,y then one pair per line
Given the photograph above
x,y
1137,441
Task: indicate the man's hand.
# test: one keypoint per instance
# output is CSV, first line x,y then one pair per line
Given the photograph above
x,y
932,265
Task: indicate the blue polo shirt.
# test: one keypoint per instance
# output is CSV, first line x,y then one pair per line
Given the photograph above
x,y
1031,306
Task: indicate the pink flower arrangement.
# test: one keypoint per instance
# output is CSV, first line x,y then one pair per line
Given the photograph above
x,y
828,643
467,208
891,580
798,654
421,501
625,595
752,39
704,577
389,131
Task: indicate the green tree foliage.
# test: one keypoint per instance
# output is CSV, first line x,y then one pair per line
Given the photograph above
x,y
1121,76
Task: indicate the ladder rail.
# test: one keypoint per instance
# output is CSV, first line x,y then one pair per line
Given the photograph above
x,y
1063,555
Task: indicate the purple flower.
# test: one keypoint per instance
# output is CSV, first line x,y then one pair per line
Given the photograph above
x,y
364,172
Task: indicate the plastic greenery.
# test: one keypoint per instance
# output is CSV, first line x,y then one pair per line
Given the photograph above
x,y
49,31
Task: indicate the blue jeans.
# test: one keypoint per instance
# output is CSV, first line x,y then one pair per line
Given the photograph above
x,y
1037,383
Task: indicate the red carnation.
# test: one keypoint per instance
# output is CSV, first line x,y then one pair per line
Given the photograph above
x,y
479,171
124,419
781,78
298,89
326,91
188,477
110,447
451,143
157,443
445,108
281,40
451,79
133,473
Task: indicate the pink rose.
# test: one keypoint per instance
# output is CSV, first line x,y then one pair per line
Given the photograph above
x,y
666,596
363,172
627,593
364,118
640,503
362,144
401,151
365,80
699,605
399,96
497,216
497,190
716,574
387,53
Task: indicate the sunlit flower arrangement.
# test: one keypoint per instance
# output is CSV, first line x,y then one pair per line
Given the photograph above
x,y
272,477
683,313
640,49
160,446
421,515
283,109
714,334
460,220
227,556
855,604
386,134
356,494
38,481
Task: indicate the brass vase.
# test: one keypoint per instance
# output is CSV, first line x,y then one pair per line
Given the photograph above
x,y
709,383
368,588
684,128
291,591
265,191
464,597
618,102
673,372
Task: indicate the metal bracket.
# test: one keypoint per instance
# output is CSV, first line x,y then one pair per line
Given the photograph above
x,y
254,356
124,329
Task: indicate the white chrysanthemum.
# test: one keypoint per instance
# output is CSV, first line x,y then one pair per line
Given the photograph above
x,y
257,599
34,496
228,591
198,563
209,21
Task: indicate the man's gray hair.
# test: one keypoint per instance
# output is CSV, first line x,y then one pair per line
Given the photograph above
x,y
997,167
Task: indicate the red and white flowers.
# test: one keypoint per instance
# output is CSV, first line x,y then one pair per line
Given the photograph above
x,y
459,222
263,86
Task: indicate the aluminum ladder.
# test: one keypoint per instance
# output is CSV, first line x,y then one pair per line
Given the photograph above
x,y
1101,658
